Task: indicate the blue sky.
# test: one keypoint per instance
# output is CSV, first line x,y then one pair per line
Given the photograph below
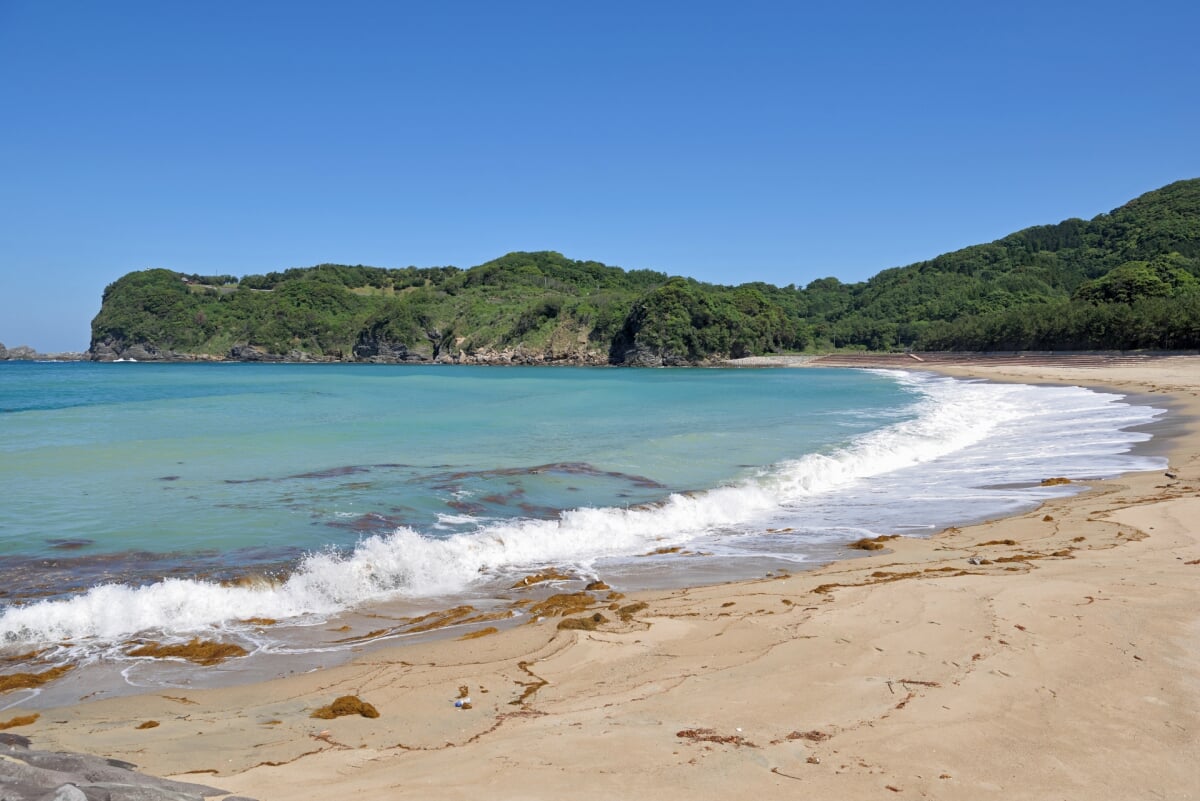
x,y
730,142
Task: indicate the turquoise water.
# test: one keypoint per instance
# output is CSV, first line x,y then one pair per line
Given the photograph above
x,y
140,500
261,463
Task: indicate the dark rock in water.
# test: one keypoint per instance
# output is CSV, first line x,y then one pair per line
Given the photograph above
x,y
28,774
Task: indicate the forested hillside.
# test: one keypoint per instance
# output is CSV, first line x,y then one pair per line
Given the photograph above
x,y
1127,279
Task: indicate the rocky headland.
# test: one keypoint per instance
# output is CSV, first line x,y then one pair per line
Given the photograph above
x,y
24,353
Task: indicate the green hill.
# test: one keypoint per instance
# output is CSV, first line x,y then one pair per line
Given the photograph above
x,y
1124,280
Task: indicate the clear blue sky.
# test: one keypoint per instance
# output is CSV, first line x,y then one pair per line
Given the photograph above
x,y
730,141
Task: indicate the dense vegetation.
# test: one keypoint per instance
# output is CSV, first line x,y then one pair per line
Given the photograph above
x,y
1128,279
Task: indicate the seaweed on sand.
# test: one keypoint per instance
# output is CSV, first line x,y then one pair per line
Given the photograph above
x,y
202,652
562,604
583,623
22,681
20,720
872,543
346,705
475,635
553,574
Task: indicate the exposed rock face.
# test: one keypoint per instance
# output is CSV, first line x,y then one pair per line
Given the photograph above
x,y
111,350
643,356
144,353
27,774
380,351
376,351
521,356
252,353
22,352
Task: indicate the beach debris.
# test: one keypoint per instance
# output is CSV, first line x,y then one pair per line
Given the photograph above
x,y
20,720
995,542
149,724
553,574
1047,518
667,549
180,699
813,760
463,691
582,623
711,736
475,635
813,736
872,543
23,681
974,560
202,652
1171,474
346,705
530,687
1051,482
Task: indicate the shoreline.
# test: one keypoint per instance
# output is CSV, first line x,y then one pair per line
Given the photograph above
x,y
910,670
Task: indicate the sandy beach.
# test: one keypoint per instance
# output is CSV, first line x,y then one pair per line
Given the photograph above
x,y
1051,655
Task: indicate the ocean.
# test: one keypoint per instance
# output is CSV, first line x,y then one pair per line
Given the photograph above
x,y
269,505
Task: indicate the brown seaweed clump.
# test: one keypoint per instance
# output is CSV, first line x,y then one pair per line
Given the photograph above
x,y
814,736
583,623
202,652
872,543
20,720
437,620
710,736
553,574
346,705
21,681
597,586
1051,482
627,612
149,724
561,604
475,635
996,542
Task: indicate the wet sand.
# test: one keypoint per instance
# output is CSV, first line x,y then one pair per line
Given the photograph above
x,y
1054,654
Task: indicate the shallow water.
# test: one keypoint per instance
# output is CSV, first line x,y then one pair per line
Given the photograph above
x,y
169,501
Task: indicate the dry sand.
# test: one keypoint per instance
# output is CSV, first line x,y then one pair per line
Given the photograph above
x,y
1065,665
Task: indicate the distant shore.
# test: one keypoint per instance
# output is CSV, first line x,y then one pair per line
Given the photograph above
x,y
1050,654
